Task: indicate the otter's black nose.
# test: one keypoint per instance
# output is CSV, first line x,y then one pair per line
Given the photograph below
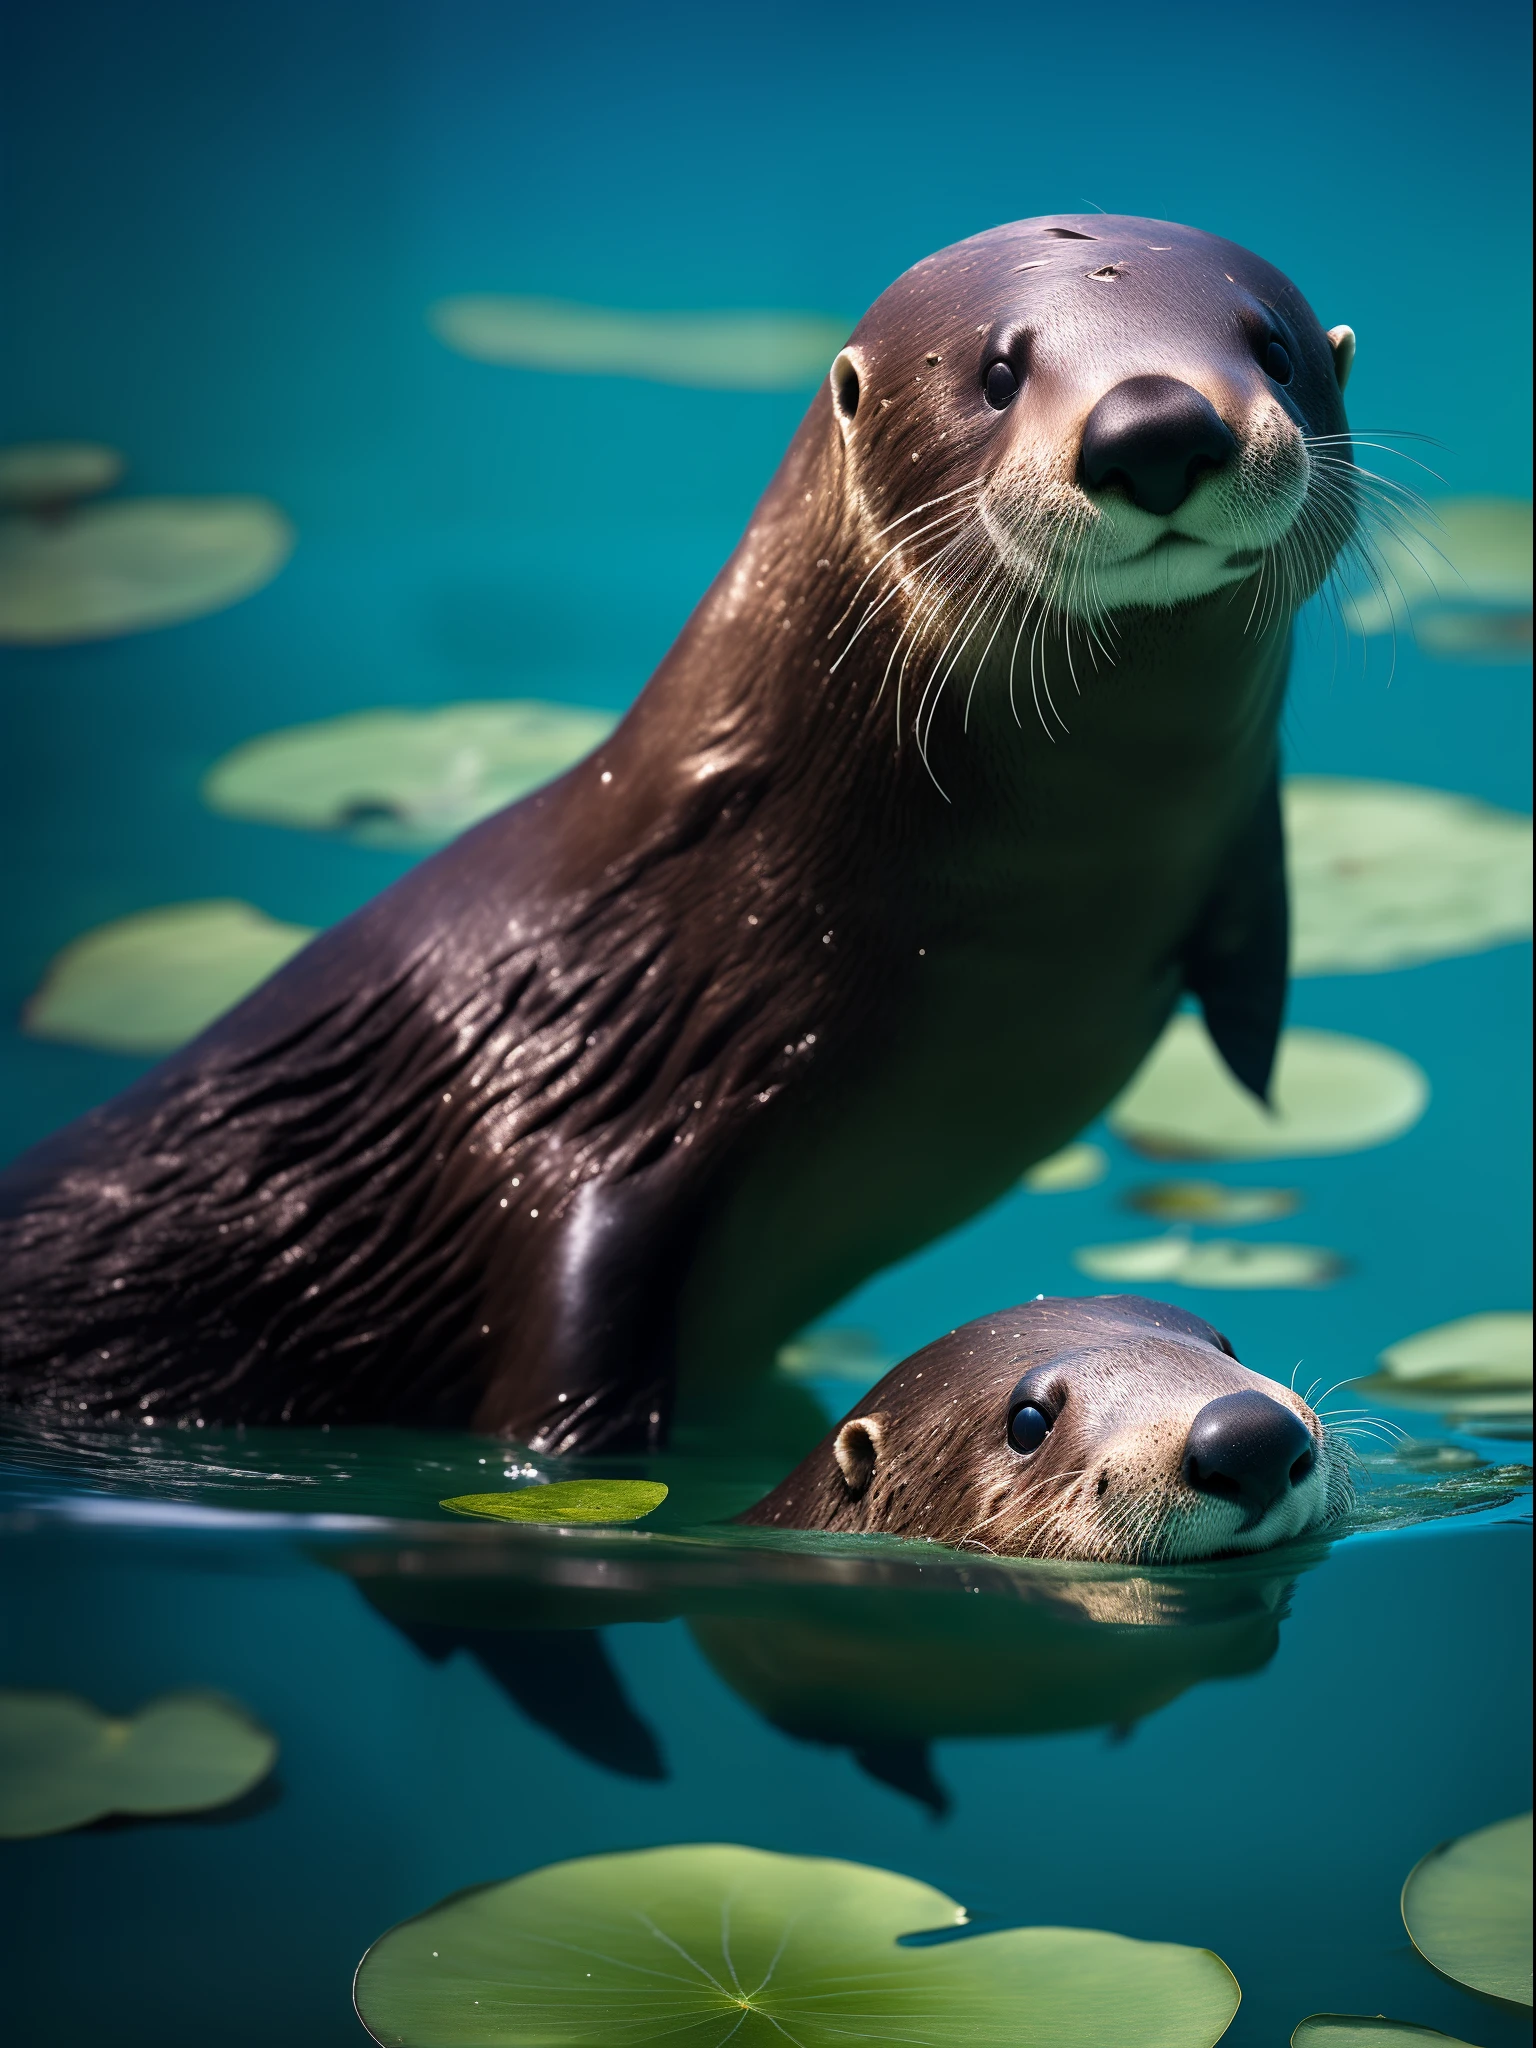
x,y
1153,436
1247,1449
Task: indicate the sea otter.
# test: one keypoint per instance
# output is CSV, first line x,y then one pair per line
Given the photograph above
x,y
962,771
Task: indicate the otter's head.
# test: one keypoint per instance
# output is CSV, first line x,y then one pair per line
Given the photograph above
x,y
1088,415
1112,1429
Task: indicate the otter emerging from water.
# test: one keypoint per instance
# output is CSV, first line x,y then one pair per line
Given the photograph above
x,y
1113,1428
961,772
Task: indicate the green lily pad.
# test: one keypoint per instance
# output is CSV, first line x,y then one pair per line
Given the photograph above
x,y
1462,586
403,778
1208,1201
1499,1426
47,476
1385,874
1226,1262
566,1500
1353,2030
148,983
134,563
720,351
1330,1094
1482,636
1479,1352
841,1353
63,1763
713,1943
1074,1167
1477,1368
1467,1909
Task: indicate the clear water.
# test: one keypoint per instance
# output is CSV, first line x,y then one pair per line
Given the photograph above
x,y
221,229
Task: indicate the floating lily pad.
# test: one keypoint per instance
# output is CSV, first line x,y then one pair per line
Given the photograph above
x,y
1462,585
837,1354
565,1500
1330,1093
1351,2030
63,1763
1208,1201
1480,1366
713,1943
1467,1909
134,563
403,778
1386,875
1213,1262
46,476
1075,1166
720,351
1477,1352
148,983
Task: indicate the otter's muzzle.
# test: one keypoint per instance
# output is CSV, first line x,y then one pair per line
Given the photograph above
x,y
1248,1449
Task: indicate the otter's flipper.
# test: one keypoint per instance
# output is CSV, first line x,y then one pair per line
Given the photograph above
x,y
905,1767
1236,959
561,1678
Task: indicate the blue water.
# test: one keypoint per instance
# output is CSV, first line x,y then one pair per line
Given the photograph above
x,y
221,227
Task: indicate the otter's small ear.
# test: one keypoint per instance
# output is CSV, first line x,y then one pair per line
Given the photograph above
x,y
856,1448
847,380
1342,341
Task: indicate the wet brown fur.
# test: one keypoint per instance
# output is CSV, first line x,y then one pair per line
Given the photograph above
x,y
638,1076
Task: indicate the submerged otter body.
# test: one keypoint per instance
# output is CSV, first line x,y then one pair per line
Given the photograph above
x,y
962,770
1113,1428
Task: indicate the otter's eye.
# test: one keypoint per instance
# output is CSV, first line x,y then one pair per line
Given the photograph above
x,y
1277,362
1028,1427
1000,385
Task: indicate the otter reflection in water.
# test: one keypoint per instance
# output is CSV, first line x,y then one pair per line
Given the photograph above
x,y
866,1650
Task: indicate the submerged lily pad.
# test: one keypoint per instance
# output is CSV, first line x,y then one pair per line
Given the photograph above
x,y
403,778
148,983
1208,1201
1500,1412
1467,1909
63,1763
719,351
134,563
1214,1262
1385,875
713,1943
1462,585
837,1354
1495,637
49,475
1352,2030
565,1500
1330,1093
1424,1454
1500,1425
1075,1166
1396,1495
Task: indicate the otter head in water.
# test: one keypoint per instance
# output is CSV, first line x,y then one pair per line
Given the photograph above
x,y
1110,1429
